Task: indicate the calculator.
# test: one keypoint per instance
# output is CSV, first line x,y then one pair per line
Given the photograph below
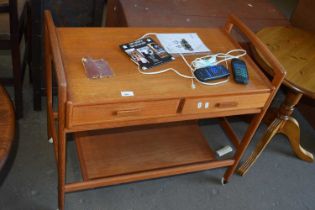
x,y
211,73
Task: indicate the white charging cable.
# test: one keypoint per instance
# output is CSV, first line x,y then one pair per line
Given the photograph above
x,y
148,34
208,60
212,60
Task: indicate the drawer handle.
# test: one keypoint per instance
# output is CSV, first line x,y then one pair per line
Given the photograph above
x,y
128,112
226,104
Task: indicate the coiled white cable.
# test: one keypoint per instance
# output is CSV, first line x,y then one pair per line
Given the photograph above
x,y
223,57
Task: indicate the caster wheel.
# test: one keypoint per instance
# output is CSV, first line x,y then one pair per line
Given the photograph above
x,y
223,182
51,140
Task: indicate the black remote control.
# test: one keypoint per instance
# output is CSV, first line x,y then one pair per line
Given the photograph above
x,y
211,73
239,71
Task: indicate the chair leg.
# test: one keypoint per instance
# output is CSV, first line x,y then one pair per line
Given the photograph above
x,y
26,33
29,40
16,65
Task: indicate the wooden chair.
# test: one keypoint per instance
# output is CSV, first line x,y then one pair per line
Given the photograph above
x,y
294,46
15,22
7,129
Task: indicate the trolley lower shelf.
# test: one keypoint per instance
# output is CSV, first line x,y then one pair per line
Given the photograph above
x,y
139,153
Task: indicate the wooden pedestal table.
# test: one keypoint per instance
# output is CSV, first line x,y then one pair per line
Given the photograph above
x,y
7,126
295,50
154,132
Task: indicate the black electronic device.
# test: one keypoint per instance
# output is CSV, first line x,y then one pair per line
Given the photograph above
x,y
211,73
239,71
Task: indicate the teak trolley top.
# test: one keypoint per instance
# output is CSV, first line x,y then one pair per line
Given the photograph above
x,y
87,105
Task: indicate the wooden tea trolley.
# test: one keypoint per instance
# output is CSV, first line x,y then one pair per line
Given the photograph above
x,y
154,132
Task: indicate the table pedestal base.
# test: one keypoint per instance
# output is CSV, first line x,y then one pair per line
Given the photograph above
x,y
284,124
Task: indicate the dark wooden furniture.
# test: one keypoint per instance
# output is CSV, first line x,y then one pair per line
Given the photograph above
x,y
198,13
154,133
37,50
7,126
66,13
15,17
303,18
295,49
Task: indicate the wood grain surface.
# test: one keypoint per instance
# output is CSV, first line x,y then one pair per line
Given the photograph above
x,y
99,43
295,49
7,125
130,150
192,13
304,16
